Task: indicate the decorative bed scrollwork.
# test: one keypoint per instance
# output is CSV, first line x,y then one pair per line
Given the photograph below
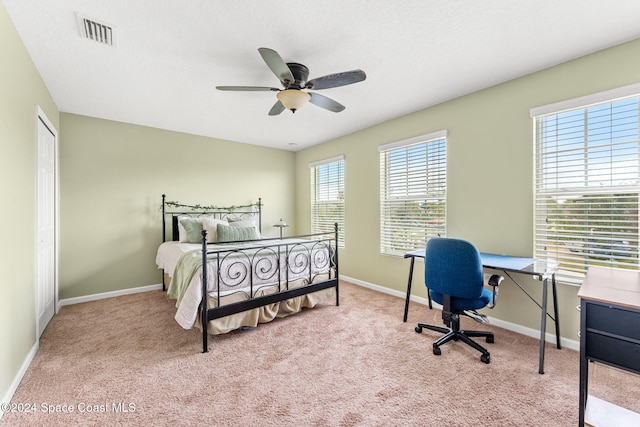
x,y
245,282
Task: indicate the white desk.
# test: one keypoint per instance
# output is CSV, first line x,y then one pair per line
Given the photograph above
x,y
545,271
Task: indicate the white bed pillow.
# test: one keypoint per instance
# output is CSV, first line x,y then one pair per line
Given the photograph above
x,y
183,234
211,225
246,223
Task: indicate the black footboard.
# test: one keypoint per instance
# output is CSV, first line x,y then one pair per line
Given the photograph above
x,y
282,261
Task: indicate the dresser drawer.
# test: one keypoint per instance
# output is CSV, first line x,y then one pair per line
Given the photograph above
x,y
617,352
614,320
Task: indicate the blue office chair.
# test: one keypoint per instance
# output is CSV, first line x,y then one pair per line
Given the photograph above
x,y
453,276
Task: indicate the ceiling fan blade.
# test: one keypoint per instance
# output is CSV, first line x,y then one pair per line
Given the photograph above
x,y
326,103
277,65
277,108
336,80
248,88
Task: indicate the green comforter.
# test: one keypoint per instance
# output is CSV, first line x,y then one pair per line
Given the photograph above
x,y
183,273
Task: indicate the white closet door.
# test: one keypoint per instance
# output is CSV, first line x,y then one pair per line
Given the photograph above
x,y
46,225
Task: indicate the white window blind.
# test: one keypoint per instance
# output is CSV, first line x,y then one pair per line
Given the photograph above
x,y
412,193
587,186
327,196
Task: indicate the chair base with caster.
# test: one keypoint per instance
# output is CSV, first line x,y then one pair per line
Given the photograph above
x,y
456,334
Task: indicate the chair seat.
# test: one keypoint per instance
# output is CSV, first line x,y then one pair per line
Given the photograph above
x,y
461,304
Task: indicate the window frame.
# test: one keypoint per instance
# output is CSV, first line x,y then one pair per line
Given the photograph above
x,y
337,185
417,194
581,222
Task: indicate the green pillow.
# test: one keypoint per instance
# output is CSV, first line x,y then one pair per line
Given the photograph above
x,y
193,227
226,233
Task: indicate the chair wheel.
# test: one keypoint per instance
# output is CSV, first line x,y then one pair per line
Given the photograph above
x,y
486,358
419,329
490,339
436,350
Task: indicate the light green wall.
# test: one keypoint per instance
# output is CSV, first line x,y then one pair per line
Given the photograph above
x,y
112,178
21,91
490,176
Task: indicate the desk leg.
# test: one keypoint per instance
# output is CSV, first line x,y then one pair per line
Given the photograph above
x,y
555,310
406,302
543,324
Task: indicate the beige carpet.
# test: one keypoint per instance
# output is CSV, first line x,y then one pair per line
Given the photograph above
x,y
356,364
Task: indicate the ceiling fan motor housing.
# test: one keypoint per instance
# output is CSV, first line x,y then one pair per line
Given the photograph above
x,y
300,74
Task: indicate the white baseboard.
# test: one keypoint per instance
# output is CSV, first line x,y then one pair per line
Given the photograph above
x,y
95,297
514,327
18,378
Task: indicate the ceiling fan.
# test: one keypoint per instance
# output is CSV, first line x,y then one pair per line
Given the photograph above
x,y
293,77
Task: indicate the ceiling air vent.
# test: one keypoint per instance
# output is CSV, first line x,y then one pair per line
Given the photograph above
x,y
96,31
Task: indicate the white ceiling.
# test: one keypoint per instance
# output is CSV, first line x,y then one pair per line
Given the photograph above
x,y
169,56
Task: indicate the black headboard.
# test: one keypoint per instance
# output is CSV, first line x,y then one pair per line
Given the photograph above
x,y
173,210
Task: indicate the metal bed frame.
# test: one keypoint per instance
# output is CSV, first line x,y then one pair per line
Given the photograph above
x,y
298,257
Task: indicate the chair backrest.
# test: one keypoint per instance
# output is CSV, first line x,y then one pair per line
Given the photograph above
x,y
453,267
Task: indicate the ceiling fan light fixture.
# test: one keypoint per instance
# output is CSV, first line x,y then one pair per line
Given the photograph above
x,y
293,99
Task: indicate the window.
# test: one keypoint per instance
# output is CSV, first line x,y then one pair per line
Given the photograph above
x,y
412,192
588,183
327,196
